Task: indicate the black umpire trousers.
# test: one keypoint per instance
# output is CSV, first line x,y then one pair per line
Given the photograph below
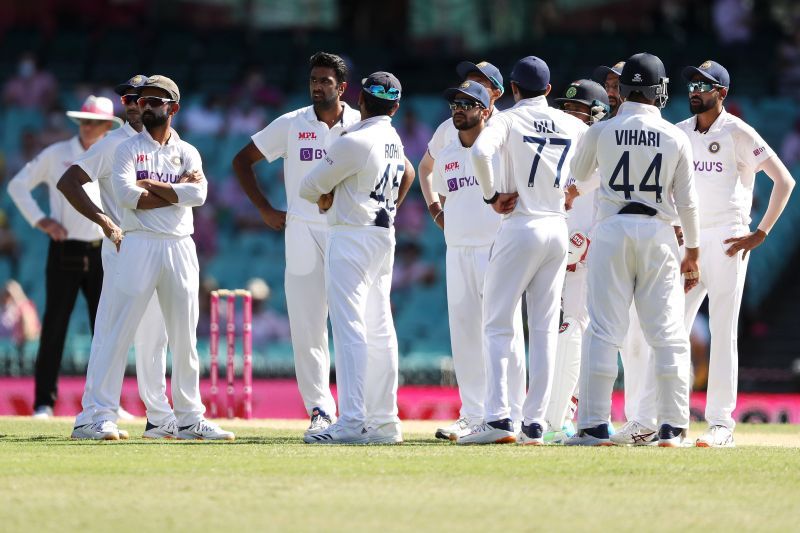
x,y
72,266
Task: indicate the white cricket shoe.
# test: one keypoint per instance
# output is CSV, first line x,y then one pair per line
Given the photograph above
x,y
531,435
123,434
596,436
164,431
389,433
122,414
338,434
453,431
671,437
635,434
204,430
43,412
496,432
103,430
716,437
320,421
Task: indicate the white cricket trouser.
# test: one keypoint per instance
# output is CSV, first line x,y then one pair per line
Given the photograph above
x,y
529,255
466,272
307,306
634,258
150,346
639,375
568,352
359,265
167,266
722,279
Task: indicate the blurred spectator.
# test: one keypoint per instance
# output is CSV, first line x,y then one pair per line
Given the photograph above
x,y
732,21
256,90
233,201
205,233
789,65
204,305
31,88
9,248
30,146
245,118
699,342
57,128
268,324
18,318
410,269
411,217
205,117
790,149
415,136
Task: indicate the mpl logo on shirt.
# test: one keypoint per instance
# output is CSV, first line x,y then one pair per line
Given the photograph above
x,y
310,154
451,166
306,136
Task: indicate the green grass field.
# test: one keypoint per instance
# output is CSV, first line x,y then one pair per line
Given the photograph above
x,y
268,480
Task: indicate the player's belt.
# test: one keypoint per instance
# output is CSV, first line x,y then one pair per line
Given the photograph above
x,y
635,208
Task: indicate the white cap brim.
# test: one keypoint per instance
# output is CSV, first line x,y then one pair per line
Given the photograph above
x,y
76,117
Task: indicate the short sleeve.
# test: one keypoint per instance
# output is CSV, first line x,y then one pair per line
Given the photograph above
x,y
439,141
273,140
751,149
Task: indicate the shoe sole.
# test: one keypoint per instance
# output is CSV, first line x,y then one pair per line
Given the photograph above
x,y
707,445
502,440
530,443
107,437
207,440
442,435
165,437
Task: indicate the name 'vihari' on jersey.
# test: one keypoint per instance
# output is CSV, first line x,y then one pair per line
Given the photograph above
x,y
637,138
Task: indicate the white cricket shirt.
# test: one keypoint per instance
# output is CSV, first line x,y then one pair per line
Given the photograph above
x,y
536,143
726,160
641,158
301,139
98,163
47,168
364,168
141,157
469,221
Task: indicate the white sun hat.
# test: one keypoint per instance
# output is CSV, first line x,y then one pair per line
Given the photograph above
x,y
95,108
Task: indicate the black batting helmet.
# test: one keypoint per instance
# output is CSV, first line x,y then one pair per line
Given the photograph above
x,y
644,73
590,93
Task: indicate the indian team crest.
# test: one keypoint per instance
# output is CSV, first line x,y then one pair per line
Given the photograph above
x,y
706,65
572,91
176,160
137,80
464,85
619,65
713,147
481,64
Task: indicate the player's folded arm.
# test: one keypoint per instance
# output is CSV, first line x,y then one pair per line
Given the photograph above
x,y
346,156
482,153
123,179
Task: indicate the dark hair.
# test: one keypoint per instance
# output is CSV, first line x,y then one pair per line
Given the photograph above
x,y
525,93
324,59
638,97
377,106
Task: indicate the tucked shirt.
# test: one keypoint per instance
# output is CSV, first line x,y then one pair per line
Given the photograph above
x,y
141,157
536,143
469,221
641,158
363,168
47,168
726,160
98,163
301,139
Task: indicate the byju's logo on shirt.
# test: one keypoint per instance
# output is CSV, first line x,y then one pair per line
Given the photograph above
x,y
163,177
454,184
141,175
310,154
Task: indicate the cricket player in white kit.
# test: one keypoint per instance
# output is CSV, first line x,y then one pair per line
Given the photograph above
x,y
363,170
645,183
587,101
727,155
467,375
301,138
158,254
529,254
470,227
150,341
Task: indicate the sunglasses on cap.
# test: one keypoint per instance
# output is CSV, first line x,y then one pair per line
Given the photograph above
x,y
153,101
379,91
128,99
701,86
466,105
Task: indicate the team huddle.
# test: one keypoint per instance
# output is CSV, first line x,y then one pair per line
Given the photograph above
x,y
609,223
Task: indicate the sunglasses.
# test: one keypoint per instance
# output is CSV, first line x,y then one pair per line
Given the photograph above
x,y
379,91
153,101
91,122
128,99
701,86
466,105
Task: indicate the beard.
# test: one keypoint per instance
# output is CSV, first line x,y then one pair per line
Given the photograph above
x,y
151,120
466,122
699,106
324,104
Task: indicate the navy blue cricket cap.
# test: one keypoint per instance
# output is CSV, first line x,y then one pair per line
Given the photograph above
x,y
383,85
711,71
601,73
485,68
474,90
531,73
134,83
